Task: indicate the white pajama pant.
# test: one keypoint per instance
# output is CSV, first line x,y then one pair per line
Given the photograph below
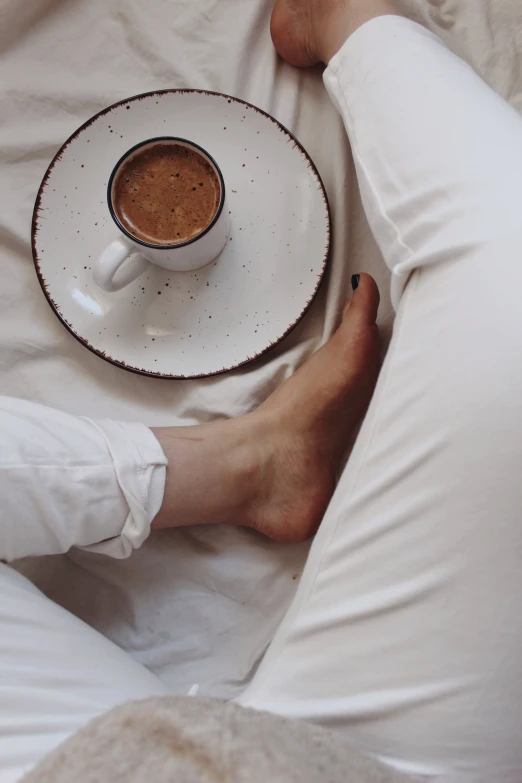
x,y
406,630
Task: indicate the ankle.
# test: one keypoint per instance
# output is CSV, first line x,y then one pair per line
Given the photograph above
x,y
214,474
345,18
244,467
332,32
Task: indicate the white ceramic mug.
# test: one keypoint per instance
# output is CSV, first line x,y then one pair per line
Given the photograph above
x,y
127,257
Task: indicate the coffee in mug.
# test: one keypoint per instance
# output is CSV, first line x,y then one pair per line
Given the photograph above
x,y
166,194
167,197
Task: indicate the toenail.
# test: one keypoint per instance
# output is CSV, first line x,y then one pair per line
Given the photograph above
x,y
355,281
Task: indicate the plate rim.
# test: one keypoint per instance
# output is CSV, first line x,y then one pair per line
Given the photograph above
x,y
102,354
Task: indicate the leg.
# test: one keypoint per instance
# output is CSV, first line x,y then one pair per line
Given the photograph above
x,y
64,482
56,674
69,482
406,627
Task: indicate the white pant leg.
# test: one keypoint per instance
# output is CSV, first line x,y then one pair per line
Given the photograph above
x,y
406,630
65,482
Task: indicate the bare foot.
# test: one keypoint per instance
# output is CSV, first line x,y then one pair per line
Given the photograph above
x,y
275,469
309,419
305,32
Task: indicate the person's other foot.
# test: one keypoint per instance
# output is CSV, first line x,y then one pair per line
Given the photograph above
x,y
301,432
305,32
301,29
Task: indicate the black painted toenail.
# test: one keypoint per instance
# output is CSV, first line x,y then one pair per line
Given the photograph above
x,y
355,281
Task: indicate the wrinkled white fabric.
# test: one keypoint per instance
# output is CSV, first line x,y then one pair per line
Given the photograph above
x,y
62,61
67,481
56,674
197,606
406,628
140,468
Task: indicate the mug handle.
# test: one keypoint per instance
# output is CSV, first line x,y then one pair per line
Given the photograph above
x,y
107,272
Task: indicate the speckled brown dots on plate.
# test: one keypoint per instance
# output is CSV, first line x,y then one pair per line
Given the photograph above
x,y
272,246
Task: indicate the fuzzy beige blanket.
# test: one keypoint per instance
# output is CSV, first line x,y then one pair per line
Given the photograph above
x,y
188,740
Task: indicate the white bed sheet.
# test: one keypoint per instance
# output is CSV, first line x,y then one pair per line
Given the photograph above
x,y
196,606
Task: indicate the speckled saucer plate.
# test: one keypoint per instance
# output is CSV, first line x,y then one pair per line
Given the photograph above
x,y
186,324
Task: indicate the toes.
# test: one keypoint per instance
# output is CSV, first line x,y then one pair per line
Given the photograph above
x,y
359,333
364,303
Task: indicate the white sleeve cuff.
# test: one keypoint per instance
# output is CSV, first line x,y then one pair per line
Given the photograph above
x,y
141,468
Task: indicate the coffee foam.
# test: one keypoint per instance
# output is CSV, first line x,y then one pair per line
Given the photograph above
x,y
166,194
